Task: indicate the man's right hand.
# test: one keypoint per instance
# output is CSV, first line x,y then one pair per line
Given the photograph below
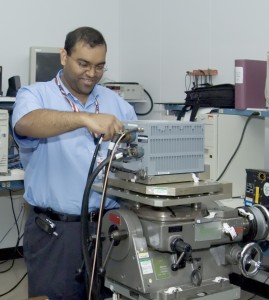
x,y
106,124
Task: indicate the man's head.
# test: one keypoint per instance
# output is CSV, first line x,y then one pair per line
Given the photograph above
x,y
86,35
83,59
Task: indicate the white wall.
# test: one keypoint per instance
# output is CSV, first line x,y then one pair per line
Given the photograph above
x,y
160,40
153,42
45,23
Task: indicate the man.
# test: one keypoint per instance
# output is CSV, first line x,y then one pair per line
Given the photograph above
x,y
55,124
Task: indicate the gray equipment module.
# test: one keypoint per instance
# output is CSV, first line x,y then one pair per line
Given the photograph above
x,y
167,148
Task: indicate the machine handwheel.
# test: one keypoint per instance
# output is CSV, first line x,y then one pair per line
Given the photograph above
x,y
264,210
265,213
250,259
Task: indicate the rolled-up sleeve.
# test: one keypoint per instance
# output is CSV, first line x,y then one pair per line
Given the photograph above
x,y
25,102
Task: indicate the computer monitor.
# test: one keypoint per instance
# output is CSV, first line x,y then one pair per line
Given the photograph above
x,y
44,63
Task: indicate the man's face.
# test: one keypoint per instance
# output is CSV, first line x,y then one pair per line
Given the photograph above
x,y
83,69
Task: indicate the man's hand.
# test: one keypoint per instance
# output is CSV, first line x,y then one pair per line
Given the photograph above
x,y
103,124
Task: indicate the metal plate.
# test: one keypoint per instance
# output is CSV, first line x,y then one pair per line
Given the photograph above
x,y
163,201
169,189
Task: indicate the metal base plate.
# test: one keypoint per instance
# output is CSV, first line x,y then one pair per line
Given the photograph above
x,y
205,193
169,189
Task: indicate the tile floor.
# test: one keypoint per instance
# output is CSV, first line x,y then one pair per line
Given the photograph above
x,y
10,278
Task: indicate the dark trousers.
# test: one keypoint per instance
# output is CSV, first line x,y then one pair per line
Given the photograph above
x,y
52,261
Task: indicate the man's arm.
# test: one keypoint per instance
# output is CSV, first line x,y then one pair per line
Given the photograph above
x,y
44,123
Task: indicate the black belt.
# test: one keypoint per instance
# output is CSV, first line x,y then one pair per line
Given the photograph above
x,y
55,216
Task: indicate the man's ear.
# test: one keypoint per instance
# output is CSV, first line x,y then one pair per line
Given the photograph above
x,y
63,55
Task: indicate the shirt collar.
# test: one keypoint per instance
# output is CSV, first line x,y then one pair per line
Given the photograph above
x,y
91,98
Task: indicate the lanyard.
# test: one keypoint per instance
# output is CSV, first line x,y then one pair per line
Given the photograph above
x,y
71,103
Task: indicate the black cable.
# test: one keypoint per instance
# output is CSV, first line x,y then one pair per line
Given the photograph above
x,y
239,144
98,259
18,238
12,256
92,174
98,142
151,105
145,91
97,256
85,202
84,213
13,212
13,260
13,288
2,239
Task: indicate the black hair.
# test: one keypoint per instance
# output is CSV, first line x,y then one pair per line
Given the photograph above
x,y
87,35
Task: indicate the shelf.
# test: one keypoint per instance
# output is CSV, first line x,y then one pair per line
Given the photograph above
x,y
244,112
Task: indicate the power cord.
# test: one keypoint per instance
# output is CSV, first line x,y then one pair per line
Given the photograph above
x,y
16,246
13,288
145,91
254,114
151,105
19,236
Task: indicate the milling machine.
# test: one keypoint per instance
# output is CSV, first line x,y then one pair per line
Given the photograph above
x,y
173,238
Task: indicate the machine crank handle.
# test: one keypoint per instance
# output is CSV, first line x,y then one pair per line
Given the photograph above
x,y
112,242
91,241
175,266
115,236
182,248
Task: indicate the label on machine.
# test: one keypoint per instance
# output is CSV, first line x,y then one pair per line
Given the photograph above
x,y
257,187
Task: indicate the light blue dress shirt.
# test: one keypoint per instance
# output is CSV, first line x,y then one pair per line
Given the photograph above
x,y
56,168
